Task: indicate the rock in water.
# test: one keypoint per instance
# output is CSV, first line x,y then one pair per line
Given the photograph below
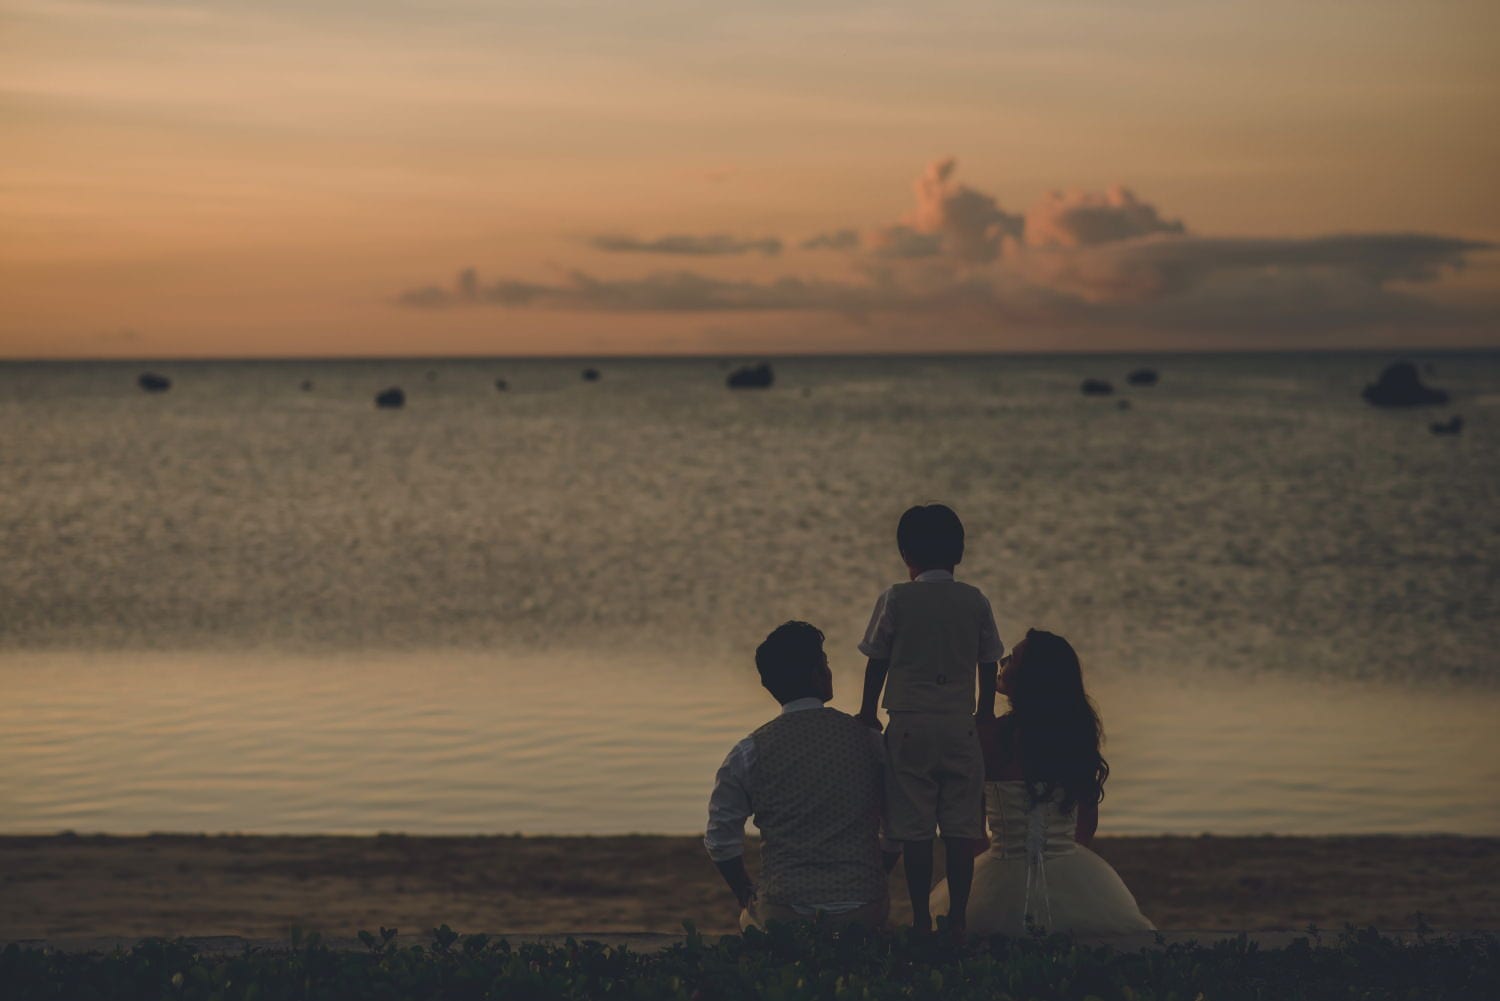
x,y
591,375
391,399
751,377
501,385
153,383
1400,386
1452,425
307,385
1096,387
1142,377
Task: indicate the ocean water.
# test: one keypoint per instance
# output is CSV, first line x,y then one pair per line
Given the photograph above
x,y
245,606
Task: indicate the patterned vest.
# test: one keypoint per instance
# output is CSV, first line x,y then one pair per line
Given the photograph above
x,y
816,787
935,650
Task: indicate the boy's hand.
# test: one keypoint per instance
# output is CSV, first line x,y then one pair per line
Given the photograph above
x,y
988,730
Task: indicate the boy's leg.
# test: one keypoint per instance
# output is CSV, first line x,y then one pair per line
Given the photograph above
x,y
960,861
911,805
916,857
960,815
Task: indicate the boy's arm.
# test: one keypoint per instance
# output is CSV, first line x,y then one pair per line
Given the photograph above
x,y
987,672
875,672
877,646
991,649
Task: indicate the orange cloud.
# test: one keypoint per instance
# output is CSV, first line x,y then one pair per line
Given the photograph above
x,y
1080,258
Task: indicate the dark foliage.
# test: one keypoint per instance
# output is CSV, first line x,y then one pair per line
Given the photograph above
x,y
786,965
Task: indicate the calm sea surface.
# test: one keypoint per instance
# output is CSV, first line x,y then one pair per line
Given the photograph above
x,y
245,606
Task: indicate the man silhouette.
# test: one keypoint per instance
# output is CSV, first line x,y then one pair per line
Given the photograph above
x,y
813,779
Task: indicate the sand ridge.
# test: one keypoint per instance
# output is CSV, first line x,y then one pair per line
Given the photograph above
x,y
260,886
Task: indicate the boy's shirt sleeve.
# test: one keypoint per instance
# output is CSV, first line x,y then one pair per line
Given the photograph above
x,y
882,629
990,646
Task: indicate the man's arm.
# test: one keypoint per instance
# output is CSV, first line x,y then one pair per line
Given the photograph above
x,y
728,809
875,672
734,873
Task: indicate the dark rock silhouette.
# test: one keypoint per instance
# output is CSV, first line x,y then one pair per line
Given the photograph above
x,y
751,377
501,385
307,385
391,399
591,375
1452,425
1096,387
1142,377
153,383
1400,386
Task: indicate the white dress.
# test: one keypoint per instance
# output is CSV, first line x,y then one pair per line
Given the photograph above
x,y
1035,873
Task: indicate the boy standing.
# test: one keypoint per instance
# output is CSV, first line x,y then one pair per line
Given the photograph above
x,y
926,641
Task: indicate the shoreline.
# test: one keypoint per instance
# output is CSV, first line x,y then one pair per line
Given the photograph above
x,y
260,886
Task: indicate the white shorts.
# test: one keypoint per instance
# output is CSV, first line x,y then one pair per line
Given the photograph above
x,y
934,777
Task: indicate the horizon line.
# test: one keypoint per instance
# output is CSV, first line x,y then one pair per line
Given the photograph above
x,y
757,356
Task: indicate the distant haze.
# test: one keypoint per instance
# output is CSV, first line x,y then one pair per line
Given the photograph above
x,y
194,178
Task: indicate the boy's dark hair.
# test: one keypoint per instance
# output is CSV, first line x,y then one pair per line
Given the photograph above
x,y
930,536
789,659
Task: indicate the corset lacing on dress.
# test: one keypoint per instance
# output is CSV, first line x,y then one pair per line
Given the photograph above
x,y
1036,868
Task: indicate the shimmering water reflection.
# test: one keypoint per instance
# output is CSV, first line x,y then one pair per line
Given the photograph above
x,y
461,742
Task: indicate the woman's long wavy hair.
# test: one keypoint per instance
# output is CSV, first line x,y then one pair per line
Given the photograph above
x,y
1058,726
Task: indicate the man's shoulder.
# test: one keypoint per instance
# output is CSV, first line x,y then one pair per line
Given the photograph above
x,y
826,718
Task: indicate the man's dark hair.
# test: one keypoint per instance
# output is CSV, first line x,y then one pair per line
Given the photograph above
x,y
930,536
789,659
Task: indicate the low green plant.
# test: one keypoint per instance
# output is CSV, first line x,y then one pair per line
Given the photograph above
x,y
787,963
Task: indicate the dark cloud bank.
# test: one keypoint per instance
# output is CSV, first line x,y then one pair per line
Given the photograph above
x,y
1105,259
716,244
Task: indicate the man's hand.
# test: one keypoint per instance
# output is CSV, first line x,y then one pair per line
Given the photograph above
x,y
872,721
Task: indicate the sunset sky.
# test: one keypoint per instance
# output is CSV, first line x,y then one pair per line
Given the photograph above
x,y
325,177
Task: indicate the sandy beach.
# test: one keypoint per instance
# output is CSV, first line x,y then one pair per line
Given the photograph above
x,y
259,887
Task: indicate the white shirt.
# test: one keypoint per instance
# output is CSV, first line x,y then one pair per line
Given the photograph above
x,y
882,630
729,805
